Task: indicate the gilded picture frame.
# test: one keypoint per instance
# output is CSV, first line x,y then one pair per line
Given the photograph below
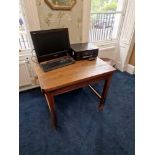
x,y
60,4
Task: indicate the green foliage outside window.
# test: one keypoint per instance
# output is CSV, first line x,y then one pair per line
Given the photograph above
x,y
98,6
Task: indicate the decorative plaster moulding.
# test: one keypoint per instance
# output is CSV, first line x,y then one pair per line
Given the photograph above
x,y
60,4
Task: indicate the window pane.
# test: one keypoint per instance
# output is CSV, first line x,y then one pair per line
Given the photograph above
x,y
98,6
104,19
23,36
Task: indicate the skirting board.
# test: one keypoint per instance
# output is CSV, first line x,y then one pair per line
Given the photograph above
x,y
28,87
118,66
130,69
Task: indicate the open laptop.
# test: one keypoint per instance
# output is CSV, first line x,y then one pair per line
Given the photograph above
x,y
52,48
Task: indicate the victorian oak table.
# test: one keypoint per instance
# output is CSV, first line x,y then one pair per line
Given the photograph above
x,y
81,73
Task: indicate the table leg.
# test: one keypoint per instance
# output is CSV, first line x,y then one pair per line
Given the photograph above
x,y
104,92
50,101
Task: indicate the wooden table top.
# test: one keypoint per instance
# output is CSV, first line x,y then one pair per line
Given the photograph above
x,y
71,74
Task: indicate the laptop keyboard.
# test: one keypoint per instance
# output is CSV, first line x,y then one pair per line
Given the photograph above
x,y
54,64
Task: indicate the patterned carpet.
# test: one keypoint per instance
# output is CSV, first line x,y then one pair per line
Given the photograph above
x,y
82,129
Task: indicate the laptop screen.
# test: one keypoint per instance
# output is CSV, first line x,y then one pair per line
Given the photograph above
x,y
48,43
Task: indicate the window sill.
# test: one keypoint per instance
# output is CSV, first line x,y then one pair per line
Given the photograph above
x,y
106,44
25,52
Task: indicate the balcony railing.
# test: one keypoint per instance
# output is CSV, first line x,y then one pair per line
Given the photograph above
x,y
101,26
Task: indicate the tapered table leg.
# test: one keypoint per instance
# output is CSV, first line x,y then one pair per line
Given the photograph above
x,y
104,92
50,101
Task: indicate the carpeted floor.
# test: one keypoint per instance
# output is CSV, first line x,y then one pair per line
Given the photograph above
x,y
83,130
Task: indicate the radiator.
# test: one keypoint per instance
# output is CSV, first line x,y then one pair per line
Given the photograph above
x,y
24,73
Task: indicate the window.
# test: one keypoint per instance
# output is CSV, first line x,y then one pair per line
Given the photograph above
x,y
105,20
24,43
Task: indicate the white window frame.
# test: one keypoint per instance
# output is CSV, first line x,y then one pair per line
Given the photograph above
x,y
31,18
86,22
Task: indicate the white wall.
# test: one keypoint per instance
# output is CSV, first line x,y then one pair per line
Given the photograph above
x,y
127,35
